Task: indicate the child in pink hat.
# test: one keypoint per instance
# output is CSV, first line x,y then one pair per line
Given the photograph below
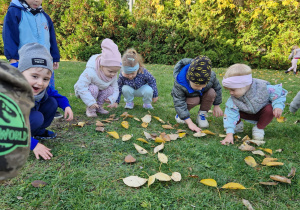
x,y
98,82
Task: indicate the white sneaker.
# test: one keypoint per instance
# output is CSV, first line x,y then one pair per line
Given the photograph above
x,y
178,120
201,119
258,134
239,127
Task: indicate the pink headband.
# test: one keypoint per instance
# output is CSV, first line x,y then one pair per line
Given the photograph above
x,y
237,81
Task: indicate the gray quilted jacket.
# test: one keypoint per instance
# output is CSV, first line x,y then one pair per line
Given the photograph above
x,y
295,105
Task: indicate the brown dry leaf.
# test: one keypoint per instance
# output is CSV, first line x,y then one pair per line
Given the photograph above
x,y
233,186
258,152
151,180
222,135
144,125
79,124
142,140
246,138
281,119
293,172
268,183
266,160
114,134
209,182
159,147
159,140
199,134
208,132
247,204
101,129
125,124
140,149
173,137
160,120
266,150
246,147
165,137
162,157
99,123
176,176
274,164
130,159
107,121
134,181
236,137
146,118
280,179
162,176
250,161
181,135
112,116
126,137
194,176
38,183
257,142
124,114
180,131
147,135
167,127
137,119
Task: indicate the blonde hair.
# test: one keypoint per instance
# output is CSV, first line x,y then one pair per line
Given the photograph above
x,y
237,69
131,58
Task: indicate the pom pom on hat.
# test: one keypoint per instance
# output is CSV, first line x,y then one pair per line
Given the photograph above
x,y
199,71
110,54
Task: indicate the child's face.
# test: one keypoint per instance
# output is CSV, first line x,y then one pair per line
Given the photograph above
x,y
196,87
110,71
238,92
34,4
130,76
38,79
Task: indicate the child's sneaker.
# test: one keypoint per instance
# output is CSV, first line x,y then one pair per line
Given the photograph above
x,y
178,120
147,106
129,105
46,135
90,112
101,110
258,134
58,115
239,127
201,119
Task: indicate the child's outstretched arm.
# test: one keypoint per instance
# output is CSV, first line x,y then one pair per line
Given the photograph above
x,y
68,114
192,126
277,95
43,151
295,104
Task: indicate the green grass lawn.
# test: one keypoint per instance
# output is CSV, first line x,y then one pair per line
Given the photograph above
x,y
87,168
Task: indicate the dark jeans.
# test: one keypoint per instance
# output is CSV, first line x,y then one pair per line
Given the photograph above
x,y
205,101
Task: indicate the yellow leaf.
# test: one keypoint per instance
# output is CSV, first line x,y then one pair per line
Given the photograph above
x,y
266,150
246,138
125,124
208,132
258,152
167,127
209,182
222,135
158,148
199,134
162,176
173,137
176,176
114,134
147,118
280,179
162,158
144,125
267,160
126,137
137,119
246,147
79,124
159,140
274,164
140,149
250,161
134,181
151,180
142,140
233,186
160,120
281,119
257,142
180,131
181,135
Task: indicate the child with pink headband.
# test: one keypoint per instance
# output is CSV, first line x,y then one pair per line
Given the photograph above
x,y
254,100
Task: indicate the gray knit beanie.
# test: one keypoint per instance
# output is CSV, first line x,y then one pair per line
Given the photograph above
x,y
34,55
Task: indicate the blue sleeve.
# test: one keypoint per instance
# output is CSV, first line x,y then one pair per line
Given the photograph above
x,y
62,101
151,82
10,33
277,96
231,116
33,143
53,43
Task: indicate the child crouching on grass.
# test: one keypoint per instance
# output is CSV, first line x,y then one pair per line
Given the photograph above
x,y
135,80
254,100
195,83
36,65
98,82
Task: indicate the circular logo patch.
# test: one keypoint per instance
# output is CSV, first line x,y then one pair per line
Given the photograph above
x,y
13,130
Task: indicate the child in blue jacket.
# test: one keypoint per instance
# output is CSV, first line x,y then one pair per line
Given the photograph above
x,y
36,66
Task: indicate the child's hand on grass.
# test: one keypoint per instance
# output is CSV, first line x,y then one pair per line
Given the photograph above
x,y
154,99
114,105
277,112
43,151
228,139
94,106
68,114
217,111
192,126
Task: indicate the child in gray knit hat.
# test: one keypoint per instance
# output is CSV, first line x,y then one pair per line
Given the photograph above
x,y
37,67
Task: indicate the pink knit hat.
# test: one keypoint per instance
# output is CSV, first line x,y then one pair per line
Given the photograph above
x,y
110,54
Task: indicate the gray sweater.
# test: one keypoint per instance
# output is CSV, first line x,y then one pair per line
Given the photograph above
x,y
295,105
295,53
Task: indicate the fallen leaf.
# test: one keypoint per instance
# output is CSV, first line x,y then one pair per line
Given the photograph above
x,y
246,147
142,140
126,137
144,125
297,121
160,120
162,176
114,134
208,132
209,182
199,134
146,118
158,148
125,115
266,160
130,159
247,204
222,135
112,116
38,183
233,186
279,150
167,127
257,142
250,161
137,119
19,197
274,164
176,176
193,176
181,135
162,158
159,140
79,124
140,149
173,137
180,131
151,180
281,119
268,183
266,150
165,137
258,152
293,172
147,135
134,181
99,123
101,129
280,179
246,138
125,124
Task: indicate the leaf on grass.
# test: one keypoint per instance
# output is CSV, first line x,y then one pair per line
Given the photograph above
x,y
180,131
246,138
247,204
176,176
134,181
281,119
38,183
257,142
279,150
274,164
258,152
112,116
266,150
114,134
167,127
199,134
137,119
162,176
194,176
209,182
173,137
99,123
147,135
125,115
162,158
159,140
268,183
160,120
250,161
126,137
158,148
125,124
236,137
101,129
142,140
222,135
181,135
140,149
293,172
130,159
233,186
246,147
151,180
266,160
280,179
164,136
208,132
79,124
144,125
146,118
